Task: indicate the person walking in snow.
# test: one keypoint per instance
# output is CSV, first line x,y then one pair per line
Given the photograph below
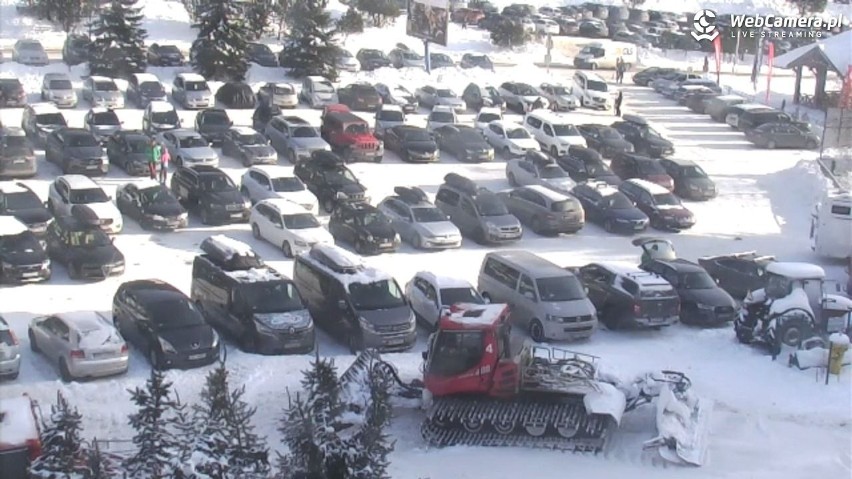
x,y
619,70
706,67
849,276
154,158
165,158
618,101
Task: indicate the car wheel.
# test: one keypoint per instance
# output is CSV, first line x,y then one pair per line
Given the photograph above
x,y
554,152
64,372
512,180
328,205
479,236
609,226
359,247
33,344
255,231
771,144
378,159
13,376
248,342
205,216
506,152
536,331
593,66
582,102
291,157
246,161
417,241
287,249
536,226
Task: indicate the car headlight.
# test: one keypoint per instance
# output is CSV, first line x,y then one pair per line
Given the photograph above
x,y
366,325
247,204
184,216
45,264
491,227
167,346
368,237
215,343
396,238
300,243
156,218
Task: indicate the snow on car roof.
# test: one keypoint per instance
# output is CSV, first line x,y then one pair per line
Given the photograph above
x,y
476,314
443,108
490,109
9,225
796,270
100,109
255,275
729,97
18,424
146,77
79,182
184,133
652,188
244,130
633,272
362,273
44,108
605,189
231,247
387,107
443,282
282,84
273,171
82,320
160,106
284,206
191,77
96,78
145,183
548,193
12,187
318,78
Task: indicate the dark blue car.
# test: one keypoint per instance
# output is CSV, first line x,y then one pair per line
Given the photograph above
x,y
610,208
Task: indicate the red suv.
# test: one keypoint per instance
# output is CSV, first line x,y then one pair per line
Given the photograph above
x,y
349,135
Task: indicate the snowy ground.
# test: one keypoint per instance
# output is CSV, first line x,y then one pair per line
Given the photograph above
x,y
770,421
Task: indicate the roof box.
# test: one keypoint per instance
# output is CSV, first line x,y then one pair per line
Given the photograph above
x,y
458,181
230,254
336,259
538,158
411,195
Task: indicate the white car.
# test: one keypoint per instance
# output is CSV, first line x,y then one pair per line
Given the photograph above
x,y
347,62
560,96
318,91
553,132
267,182
288,226
522,97
486,115
509,138
282,95
188,148
441,115
68,191
429,293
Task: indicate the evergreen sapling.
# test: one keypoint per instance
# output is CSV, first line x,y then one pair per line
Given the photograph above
x,y
119,48
62,452
310,47
220,51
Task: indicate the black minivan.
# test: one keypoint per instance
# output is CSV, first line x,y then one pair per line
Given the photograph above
x,y
360,305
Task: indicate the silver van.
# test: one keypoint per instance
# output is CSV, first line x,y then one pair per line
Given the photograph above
x,y
548,301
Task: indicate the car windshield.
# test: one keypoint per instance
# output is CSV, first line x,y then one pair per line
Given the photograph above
x,y
595,85
31,46
694,171
666,199
19,243
165,117
139,145
51,119
489,117
105,118
287,184
517,134
251,139
551,172
438,58
217,183
390,115
609,134
443,93
372,218
428,215
80,42
195,86
597,168
151,88
60,85
16,142
157,195
526,90
696,280
215,118
371,54
357,129
451,296
22,201
300,221
259,48
490,207
566,130
323,87
87,195
174,313
192,142
560,288
381,294
271,296
339,176
411,56
650,168
492,92
652,133
105,86
560,90
442,117
81,141
417,135
169,49
91,237
562,206
305,132
618,201
283,90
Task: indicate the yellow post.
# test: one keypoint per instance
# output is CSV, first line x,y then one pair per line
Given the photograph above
x,y
839,344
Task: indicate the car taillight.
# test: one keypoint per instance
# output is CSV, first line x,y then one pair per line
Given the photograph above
x,y
77,354
637,308
14,338
124,349
34,448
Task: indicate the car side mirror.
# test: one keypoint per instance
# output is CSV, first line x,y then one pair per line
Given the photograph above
x,y
424,355
342,305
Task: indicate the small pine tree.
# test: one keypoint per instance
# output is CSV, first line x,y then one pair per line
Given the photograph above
x,y
309,47
508,33
371,442
281,11
258,17
62,451
119,46
157,447
66,13
351,22
809,6
380,12
222,44
99,465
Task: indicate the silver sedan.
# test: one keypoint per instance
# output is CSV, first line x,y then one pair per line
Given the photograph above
x,y
81,344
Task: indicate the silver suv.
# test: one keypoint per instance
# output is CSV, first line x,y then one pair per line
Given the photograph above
x,y
57,88
10,352
548,301
418,221
478,212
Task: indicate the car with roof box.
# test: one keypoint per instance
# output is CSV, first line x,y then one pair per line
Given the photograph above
x,y
510,138
40,120
248,146
536,168
645,139
22,258
664,210
792,134
365,227
583,164
190,90
397,95
464,142
477,96
164,55
750,120
143,88
249,301
18,200
76,150
328,178
350,136
17,156
717,107
318,92
102,123
282,95
30,52
690,180
358,304
188,148
387,117
83,344
12,93
734,113
430,295
164,324
478,212
130,150
626,296
84,249
553,132
103,92
294,137
58,89
632,165
545,210
548,301
268,182
210,192
418,221
412,144
160,116
10,353
288,226
604,139
79,196
152,205
606,206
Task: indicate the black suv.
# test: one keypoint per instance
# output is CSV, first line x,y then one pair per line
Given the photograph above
x,y
690,181
365,227
129,149
249,301
165,56
610,208
624,295
702,301
583,164
606,140
411,143
212,124
18,200
328,178
22,258
645,140
164,325
76,49
152,205
84,249
211,193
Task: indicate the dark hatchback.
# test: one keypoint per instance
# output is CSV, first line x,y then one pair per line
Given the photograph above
x,y
164,325
211,193
152,205
664,209
584,164
645,139
12,93
22,257
412,144
606,206
18,200
646,76
702,301
261,54
364,227
17,156
690,181
605,140
464,142
84,249
129,149
212,124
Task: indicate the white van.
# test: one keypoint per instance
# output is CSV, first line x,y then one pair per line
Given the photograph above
x,y
598,55
553,131
831,226
592,91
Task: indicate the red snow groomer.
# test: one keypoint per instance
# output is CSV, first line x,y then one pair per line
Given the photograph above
x,y
477,392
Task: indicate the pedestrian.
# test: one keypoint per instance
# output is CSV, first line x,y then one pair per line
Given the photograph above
x,y
618,101
154,158
537,104
706,67
619,70
165,158
849,276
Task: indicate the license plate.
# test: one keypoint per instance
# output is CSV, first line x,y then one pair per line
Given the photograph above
x,y
236,215
30,275
394,342
292,344
386,245
91,167
193,357
19,162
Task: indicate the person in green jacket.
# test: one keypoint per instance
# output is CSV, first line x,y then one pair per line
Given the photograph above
x,y
154,158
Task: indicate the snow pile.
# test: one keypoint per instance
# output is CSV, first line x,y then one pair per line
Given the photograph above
x,y
797,299
17,425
